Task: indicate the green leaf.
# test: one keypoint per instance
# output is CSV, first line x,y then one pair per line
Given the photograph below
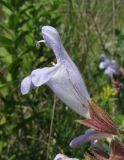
x,y
4,41
7,5
6,29
119,119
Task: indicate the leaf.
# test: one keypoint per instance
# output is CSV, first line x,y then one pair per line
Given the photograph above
x,y
7,5
6,29
119,119
21,37
4,41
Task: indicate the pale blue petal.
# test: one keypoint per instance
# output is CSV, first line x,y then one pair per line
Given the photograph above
x,y
41,76
89,136
53,40
103,57
67,83
26,85
51,36
63,157
116,67
59,157
109,71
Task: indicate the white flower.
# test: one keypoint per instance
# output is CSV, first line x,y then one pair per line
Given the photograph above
x,y
63,78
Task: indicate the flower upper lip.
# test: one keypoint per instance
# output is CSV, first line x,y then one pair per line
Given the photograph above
x,y
53,40
47,34
51,36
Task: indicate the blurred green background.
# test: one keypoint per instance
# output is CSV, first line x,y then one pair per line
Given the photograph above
x,y
88,28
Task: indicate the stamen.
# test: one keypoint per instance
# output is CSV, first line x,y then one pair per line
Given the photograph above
x,y
37,42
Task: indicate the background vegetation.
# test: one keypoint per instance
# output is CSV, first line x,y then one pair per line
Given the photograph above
x,y
88,28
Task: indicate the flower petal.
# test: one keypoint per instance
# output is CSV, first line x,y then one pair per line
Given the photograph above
x,y
109,71
63,157
41,76
103,56
26,85
53,40
89,135
102,65
51,36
